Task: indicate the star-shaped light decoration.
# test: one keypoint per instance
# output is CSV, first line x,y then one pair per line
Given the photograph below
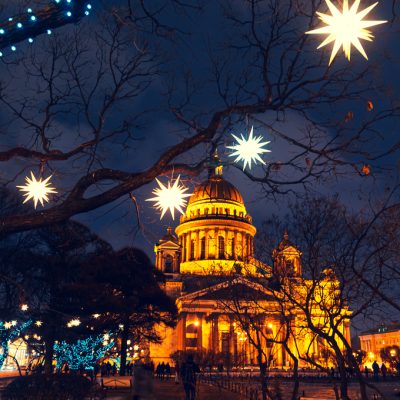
x,y
346,28
248,150
170,197
37,190
73,322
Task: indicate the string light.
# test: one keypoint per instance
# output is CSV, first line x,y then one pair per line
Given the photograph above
x,y
170,197
248,150
37,190
346,28
33,29
82,354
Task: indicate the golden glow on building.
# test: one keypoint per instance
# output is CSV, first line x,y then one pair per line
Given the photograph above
x,y
374,340
213,252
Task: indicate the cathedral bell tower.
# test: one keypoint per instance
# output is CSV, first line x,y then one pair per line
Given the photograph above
x,y
168,253
287,259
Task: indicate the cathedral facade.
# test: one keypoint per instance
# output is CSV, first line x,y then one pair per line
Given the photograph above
x,y
229,307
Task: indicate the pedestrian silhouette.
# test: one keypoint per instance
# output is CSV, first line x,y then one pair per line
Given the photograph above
x,y
189,370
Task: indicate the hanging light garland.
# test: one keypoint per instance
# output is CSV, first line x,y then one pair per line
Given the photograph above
x,y
28,25
171,197
37,190
249,149
345,28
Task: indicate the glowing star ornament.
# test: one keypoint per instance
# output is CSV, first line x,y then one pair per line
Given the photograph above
x,y
346,28
249,150
170,197
37,190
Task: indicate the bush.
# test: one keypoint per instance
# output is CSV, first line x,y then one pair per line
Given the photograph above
x,y
48,387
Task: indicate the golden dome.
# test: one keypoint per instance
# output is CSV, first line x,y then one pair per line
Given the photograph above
x,y
216,189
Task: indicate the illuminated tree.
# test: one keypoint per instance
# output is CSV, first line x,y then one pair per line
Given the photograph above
x,y
391,354
9,331
350,254
120,292
83,354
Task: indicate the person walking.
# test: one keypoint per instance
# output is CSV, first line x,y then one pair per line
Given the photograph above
x,y
384,371
375,369
189,369
158,371
167,370
162,370
177,373
366,371
143,388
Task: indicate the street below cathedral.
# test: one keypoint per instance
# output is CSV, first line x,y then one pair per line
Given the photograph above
x,y
321,391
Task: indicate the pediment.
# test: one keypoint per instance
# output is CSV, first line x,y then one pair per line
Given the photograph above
x,y
291,250
240,288
169,244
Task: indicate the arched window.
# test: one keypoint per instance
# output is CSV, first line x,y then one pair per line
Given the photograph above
x,y
203,248
192,247
169,263
221,247
192,336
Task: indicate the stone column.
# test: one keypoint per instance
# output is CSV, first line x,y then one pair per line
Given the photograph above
x,y
183,244
200,332
216,241
235,244
215,334
226,243
206,242
197,248
243,245
211,244
182,332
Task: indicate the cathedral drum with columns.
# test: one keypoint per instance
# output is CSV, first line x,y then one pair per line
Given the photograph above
x,y
213,276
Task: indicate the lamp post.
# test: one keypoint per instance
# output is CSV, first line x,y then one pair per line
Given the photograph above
x,y
393,354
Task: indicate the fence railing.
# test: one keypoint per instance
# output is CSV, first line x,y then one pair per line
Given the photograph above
x,y
243,385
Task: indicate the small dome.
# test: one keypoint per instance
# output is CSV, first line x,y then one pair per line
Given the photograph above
x,y
216,188
169,236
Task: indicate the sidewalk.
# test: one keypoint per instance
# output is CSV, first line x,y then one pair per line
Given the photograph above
x,y
168,390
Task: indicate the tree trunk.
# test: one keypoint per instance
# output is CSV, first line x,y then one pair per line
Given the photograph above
x,y
296,385
48,355
124,347
263,375
343,378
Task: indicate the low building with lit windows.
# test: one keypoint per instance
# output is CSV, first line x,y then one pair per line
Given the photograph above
x,y
374,340
211,253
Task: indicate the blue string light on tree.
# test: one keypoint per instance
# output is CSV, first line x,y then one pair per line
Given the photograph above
x,y
26,26
8,332
82,354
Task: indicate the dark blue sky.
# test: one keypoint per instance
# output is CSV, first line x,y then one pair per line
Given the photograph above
x,y
205,39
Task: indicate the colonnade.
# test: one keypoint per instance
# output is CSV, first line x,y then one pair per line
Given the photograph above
x,y
237,244
219,333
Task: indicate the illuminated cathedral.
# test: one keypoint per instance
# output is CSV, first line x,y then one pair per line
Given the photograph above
x,y
210,254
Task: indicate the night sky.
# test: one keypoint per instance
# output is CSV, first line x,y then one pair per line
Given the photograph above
x,y
201,36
